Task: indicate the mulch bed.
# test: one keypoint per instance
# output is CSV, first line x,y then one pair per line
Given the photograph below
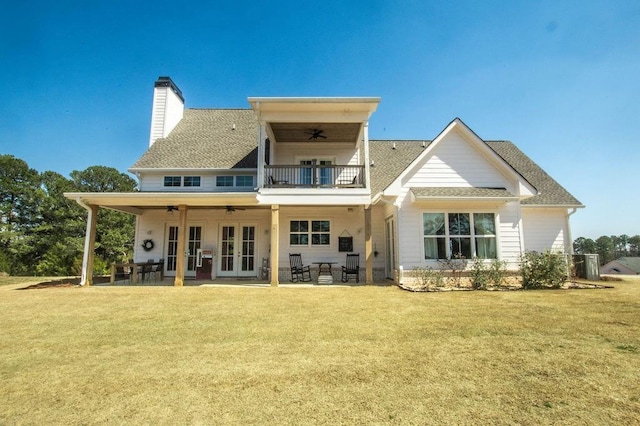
x,y
572,285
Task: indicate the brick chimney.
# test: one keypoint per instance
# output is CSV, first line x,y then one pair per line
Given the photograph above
x,y
168,107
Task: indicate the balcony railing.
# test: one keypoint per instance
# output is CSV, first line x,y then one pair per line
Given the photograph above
x,y
314,176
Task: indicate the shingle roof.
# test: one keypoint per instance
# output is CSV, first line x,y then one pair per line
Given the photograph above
x,y
550,192
389,163
632,263
446,192
205,138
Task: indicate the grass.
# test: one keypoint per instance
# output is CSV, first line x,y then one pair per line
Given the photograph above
x,y
360,355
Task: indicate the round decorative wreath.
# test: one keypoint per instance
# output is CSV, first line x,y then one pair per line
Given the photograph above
x,y
148,245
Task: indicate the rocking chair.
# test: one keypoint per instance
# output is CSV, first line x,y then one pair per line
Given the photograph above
x,y
299,272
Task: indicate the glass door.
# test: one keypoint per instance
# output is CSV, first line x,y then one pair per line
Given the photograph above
x,y
193,243
237,250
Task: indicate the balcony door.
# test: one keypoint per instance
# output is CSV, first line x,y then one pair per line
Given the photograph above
x,y
237,254
323,177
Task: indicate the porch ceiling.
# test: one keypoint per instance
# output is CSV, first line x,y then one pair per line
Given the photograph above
x,y
316,132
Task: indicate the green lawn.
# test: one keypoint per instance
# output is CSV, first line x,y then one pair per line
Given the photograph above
x,y
359,355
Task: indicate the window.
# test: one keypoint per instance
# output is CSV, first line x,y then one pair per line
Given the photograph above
x,y
459,234
319,233
244,181
192,181
224,180
299,233
172,180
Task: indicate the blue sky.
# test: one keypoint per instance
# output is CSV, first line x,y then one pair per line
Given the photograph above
x,y
561,79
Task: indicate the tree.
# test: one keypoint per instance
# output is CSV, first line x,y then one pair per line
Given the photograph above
x,y
115,230
20,197
634,245
584,246
605,249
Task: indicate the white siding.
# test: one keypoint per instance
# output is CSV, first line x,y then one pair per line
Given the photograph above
x,y
544,229
411,232
344,221
155,183
152,224
167,111
455,163
290,154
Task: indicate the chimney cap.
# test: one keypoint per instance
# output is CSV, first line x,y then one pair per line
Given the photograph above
x,y
167,82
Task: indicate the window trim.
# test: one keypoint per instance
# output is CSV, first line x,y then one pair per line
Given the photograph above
x,y
309,233
472,235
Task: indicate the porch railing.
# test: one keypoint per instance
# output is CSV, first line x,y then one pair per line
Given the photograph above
x,y
314,176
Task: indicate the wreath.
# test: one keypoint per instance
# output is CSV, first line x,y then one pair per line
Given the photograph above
x,y
148,245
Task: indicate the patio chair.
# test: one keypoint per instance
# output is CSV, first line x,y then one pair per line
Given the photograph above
x,y
299,272
122,274
352,268
146,270
157,269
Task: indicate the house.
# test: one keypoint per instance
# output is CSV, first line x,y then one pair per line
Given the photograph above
x,y
622,265
301,175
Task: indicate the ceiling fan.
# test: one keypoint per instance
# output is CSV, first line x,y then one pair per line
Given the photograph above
x,y
229,209
315,134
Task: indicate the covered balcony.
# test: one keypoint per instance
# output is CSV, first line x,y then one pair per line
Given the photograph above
x,y
314,175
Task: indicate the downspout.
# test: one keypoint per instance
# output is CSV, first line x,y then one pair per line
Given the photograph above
x,y
87,243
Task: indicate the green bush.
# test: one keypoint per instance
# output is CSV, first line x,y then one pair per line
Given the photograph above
x,y
485,275
542,270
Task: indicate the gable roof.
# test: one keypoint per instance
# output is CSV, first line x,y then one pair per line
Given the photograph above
x,y
389,163
227,139
206,139
633,263
550,192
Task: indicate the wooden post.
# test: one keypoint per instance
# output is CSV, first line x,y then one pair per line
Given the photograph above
x,y
368,246
89,246
275,249
182,244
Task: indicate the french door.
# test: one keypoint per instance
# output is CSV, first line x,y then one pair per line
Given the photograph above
x,y
324,174
237,254
194,242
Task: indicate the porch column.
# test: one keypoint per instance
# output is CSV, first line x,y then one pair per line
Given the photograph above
x,y
181,249
89,246
261,153
367,159
368,246
275,249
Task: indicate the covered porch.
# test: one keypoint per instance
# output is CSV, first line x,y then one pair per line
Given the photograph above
x,y
172,219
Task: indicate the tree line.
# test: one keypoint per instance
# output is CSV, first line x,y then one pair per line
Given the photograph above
x,y
42,232
608,247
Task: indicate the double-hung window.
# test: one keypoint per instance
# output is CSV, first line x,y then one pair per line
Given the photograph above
x,y
465,235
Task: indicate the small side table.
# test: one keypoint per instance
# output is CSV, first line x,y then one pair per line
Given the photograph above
x,y
324,272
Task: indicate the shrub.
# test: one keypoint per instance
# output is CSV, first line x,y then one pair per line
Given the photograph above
x,y
542,270
479,274
428,278
456,265
484,275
